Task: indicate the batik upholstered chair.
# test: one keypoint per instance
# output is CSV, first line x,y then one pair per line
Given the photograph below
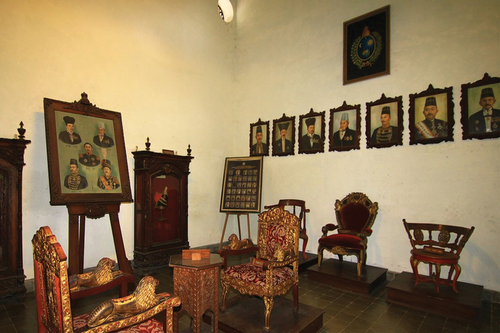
x,y
275,270
355,216
297,207
437,245
133,313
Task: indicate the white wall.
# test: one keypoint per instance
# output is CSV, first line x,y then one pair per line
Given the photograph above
x,y
167,66
289,58
180,75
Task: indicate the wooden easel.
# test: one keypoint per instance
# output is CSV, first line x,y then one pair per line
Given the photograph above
x,y
239,227
77,214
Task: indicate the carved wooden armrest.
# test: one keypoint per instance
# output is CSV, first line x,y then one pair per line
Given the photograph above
x,y
328,227
143,299
270,264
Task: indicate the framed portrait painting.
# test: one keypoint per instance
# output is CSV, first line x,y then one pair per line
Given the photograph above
x,y
367,46
431,116
480,109
312,132
384,122
242,185
284,136
86,154
345,127
259,138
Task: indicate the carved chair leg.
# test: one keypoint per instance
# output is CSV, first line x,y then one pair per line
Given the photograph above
x,y
341,257
458,270
320,255
269,303
360,263
438,273
304,244
295,292
225,290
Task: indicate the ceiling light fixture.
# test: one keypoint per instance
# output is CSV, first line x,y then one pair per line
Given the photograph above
x,y
226,10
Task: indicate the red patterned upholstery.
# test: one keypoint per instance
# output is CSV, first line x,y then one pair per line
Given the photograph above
x,y
275,269
355,216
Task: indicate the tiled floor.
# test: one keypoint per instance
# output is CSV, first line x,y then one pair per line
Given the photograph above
x,y
344,311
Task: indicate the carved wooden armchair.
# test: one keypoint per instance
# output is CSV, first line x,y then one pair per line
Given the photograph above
x,y
132,313
355,216
437,245
275,270
297,207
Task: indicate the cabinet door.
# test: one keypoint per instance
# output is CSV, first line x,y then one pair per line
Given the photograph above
x,y
166,208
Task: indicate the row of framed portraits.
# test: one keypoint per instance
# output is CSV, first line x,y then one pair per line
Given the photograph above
x,y
431,120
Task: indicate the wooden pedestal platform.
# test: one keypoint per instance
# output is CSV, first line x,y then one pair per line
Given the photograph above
x,y
245,314
345,275
304,264
464,306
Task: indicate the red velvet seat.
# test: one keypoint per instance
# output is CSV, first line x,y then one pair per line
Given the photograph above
x,y
355,216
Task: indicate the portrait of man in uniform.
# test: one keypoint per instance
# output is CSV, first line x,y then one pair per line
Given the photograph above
x,y
89,158
386,132
431,126
344,136
75,181
487,119
310,140
282,144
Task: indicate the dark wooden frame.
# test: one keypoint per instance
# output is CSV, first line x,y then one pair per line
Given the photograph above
x,y
290,135
445,105
335,116
303,130
375,109
471,93
86,116
377,25
265,140
241,167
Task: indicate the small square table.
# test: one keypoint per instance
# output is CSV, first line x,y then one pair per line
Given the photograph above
x,y
197,283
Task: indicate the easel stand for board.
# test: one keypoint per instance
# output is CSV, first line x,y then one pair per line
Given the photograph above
x,y
77,214
239,227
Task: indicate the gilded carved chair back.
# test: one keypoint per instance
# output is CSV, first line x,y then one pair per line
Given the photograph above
x,y
53,298
275,268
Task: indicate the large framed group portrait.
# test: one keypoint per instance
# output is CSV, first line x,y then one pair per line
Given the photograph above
x,y
345,127
312,132
242,185
367,46
384,122
85,153
259,138
480,109
431,116
283,136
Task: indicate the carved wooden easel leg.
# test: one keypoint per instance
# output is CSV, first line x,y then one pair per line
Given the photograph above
x,y
74,248
123,262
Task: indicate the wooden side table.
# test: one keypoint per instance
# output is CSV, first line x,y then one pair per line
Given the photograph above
x,y
197,283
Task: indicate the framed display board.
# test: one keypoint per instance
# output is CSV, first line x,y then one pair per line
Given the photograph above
x,y
242,185
85,154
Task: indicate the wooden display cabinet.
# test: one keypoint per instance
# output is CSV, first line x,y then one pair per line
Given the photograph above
x,y
161,223
11,249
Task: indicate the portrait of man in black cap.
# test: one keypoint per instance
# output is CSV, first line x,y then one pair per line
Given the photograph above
x,y
260,147
101,139
487,119
344,136
385,133
431,127
310,140
69,136
75,181
283,145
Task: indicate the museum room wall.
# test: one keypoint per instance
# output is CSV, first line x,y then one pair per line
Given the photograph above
x,y
166,66
289,60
